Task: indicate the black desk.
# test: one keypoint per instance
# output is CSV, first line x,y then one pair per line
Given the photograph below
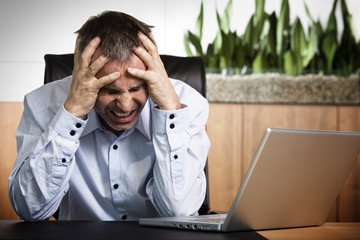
x,y
106,230
131,230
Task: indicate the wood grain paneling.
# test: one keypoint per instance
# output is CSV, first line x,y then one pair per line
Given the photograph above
x,y
10,118
224,161
349,199
257,118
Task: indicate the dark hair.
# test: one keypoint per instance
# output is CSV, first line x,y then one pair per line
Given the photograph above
x,y
118,33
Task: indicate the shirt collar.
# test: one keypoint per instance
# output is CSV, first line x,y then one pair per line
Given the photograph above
x,y
143,123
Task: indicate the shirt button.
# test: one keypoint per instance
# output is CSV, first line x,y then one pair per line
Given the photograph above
x,y
63,160
172,126
176,156
78,125
116,186
72,133
172,116
124,217
115,147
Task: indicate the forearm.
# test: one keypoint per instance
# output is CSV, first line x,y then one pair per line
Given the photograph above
x,y
179,183
43,167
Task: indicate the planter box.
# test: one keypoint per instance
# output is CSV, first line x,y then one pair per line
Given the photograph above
x,y
282,89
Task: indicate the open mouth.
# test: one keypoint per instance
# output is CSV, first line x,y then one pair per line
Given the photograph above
x,y
123,117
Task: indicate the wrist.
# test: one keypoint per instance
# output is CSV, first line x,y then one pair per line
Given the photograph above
x,y
76,112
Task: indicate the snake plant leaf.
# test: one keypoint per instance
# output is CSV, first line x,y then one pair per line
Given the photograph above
x,y
289,63
211,59
228,48
348,39
308,13
271,34
224,25
249,39
196,42
239,60
332,22
224,21
315,24
311,46
298,43
259,11
260,63
329,47
187,46
282,27
200,22
346,54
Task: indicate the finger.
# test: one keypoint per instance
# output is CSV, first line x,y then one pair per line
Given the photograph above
x,y
88,52
97,64
147,43
108,79
143,55
146,76
76,52
138,73
152,38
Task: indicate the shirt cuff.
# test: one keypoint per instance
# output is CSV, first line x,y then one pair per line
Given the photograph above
x,y
171,121
67,125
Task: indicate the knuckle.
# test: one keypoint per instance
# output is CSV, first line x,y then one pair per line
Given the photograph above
x,y
91,71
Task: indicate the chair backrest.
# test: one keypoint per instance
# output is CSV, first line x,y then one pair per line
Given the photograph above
x,y
188,69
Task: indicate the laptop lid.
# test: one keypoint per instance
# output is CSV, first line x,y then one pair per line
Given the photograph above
x,y
293,181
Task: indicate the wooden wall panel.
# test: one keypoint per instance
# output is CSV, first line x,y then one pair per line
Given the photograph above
x,y
257,118
224,161
349,199
10,118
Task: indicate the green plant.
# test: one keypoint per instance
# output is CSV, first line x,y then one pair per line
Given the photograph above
x,y
272,43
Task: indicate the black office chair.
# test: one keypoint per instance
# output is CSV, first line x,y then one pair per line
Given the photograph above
x,y
188,69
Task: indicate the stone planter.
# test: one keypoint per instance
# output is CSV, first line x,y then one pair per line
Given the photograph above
x,y
282,89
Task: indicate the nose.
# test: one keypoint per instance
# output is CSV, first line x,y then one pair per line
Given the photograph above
x,y
124,101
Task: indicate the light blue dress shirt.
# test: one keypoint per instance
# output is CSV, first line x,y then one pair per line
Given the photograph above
x,y
152,169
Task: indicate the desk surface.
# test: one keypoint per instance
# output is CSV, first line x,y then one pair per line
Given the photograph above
x,y
131,230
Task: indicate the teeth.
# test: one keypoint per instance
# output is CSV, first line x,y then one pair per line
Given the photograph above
x,y
122,114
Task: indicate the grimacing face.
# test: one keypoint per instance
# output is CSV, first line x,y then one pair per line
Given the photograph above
x,y
119,104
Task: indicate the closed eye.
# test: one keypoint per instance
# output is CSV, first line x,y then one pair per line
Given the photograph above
x,y
137,87
112,91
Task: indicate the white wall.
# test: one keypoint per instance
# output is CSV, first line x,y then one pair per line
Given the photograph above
x,y
31,28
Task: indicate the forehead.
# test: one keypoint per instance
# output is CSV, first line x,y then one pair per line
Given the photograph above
x,y
126,80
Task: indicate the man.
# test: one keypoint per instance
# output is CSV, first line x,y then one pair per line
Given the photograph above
x,y
117,140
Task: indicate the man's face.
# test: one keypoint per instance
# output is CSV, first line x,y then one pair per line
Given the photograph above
x,y
120,103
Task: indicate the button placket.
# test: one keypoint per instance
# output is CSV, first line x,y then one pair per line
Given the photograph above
x,y
115,176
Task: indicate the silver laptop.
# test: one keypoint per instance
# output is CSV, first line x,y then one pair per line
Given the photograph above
x,y
293,181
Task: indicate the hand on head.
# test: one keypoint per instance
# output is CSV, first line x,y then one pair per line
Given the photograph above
x,y
85,86
160,88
